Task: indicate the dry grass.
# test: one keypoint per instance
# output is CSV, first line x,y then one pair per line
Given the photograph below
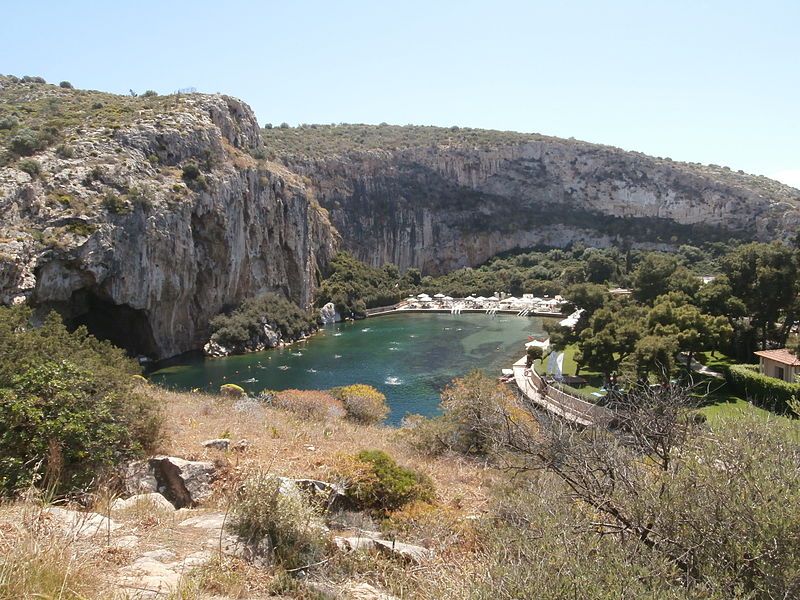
x,y
287,445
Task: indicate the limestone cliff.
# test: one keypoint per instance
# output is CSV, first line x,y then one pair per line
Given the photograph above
x,y
144,217
439,199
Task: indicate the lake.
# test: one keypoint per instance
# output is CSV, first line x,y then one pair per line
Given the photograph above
x,y
408,357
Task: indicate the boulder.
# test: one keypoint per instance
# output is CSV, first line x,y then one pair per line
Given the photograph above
x,y
152,500
217,444
409,552
182,482
330,494
78,524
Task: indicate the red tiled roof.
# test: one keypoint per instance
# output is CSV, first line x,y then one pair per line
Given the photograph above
x,y
781,355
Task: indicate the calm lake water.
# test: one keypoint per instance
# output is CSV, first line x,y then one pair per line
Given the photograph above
x,y
410,358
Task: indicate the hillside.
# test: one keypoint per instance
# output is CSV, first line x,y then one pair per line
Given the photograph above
x,y
444,198
143,217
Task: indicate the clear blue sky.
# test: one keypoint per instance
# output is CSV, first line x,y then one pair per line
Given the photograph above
x,y
715,82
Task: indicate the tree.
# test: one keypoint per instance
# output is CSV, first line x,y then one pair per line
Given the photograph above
x,y
611,337
652,276
532,354
600,268
765,278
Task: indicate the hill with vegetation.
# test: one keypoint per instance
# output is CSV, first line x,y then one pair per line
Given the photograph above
x,y
438,199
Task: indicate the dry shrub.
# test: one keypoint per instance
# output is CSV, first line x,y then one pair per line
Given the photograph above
x,y
363,403
309,404
280,523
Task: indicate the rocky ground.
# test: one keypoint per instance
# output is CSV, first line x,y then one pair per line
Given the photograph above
x,y
165,534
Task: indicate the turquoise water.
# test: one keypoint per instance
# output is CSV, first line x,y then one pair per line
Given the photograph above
x,y
410,358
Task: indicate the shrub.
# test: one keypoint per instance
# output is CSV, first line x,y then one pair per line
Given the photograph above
x,y
69,409
64,151
8,122
760,389
191,172
479,417
231,390
363,403
30,166
281,524
114,204
25,142
66,85
309,404
150,94
374,481
33,79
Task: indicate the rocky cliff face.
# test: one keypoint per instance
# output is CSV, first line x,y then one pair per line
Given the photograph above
x,y
115,233
445,204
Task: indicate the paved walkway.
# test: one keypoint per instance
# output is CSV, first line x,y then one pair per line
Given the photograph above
x,y
557,402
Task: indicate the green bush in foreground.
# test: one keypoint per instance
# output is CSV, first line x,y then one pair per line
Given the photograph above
x,y
281,525
69,408
374,481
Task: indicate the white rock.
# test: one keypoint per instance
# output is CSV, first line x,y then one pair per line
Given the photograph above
x,y
81,524
153,500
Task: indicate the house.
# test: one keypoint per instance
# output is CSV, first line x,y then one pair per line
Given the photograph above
x,y
779,363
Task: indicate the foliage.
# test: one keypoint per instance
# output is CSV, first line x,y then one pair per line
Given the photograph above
x,y
30,166
363,403
247,322
477,412
280,524
232,390
309,404
65,85
353,286
374,481
760,389
69,408
114,204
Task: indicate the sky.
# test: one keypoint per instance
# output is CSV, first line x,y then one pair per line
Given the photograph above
x,y
712,82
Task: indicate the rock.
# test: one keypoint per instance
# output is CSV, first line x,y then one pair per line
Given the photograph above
x,y
181,482
241,445
365,591
210,520
416,554
354,543
217,444
215,349
81,524
126,542
152,500
328,314
139,478
333,496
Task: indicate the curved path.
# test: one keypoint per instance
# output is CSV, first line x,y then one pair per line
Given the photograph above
x,y
558,403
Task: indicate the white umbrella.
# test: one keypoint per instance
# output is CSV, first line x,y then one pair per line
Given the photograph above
x,y
448,298
493,298
423,295
480,298
439,295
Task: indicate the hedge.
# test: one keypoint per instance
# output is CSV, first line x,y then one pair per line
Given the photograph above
x,y
767,392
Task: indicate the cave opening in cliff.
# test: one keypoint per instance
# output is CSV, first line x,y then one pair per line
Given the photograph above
x,y
120,324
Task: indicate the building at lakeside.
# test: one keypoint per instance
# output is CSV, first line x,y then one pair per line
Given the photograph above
x,y
780,363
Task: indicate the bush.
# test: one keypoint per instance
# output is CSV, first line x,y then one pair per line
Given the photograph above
x,y
231,390
69,410
281,524
64,151
66,85
768,392
114,204
191,172
374,481
309,404
8,122
25,142
30,166
150,94
363,403
479,417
